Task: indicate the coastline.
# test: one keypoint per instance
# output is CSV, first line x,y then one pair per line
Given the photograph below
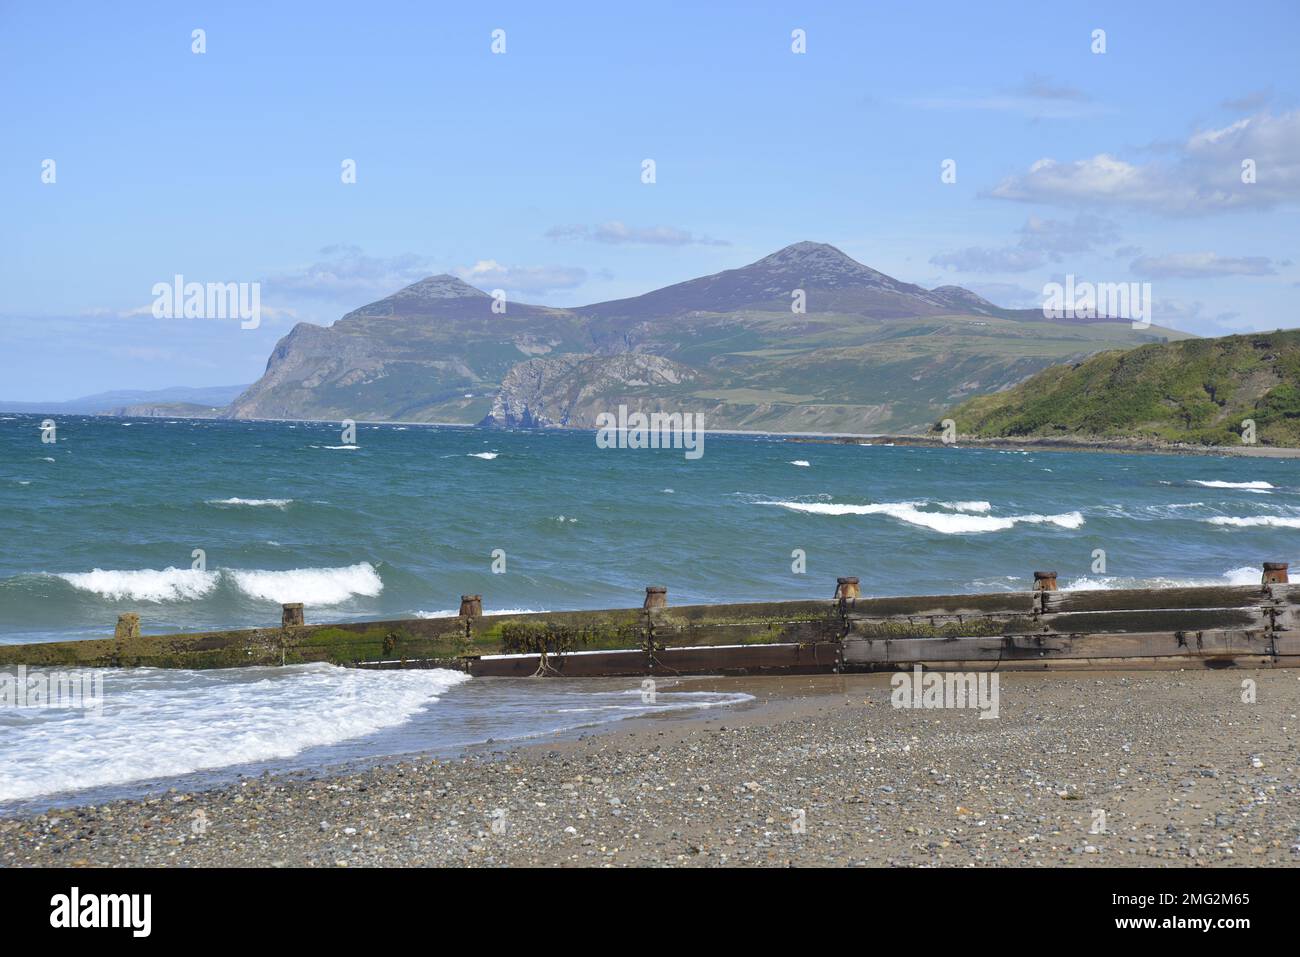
x,y
913,440
877,786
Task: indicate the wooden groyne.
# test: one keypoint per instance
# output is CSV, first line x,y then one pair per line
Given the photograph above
x,y
1043,628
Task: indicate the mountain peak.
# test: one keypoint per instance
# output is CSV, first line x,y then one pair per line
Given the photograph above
x,y
807,246
809,264
808,252
442,286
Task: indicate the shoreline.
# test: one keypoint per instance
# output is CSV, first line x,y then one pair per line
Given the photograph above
x,y
910,440
876,785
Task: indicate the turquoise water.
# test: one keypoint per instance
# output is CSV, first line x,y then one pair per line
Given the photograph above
x,y
106,519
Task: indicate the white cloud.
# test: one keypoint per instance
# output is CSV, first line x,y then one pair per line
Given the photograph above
x,y
1195,317
1042,241
488,273
990,259
1205,175
1201,266
1037,96
1007,295
1044,88
346,274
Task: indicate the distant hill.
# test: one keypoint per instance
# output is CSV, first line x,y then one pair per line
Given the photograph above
x,y
869,354
1197,391
168,410
209,397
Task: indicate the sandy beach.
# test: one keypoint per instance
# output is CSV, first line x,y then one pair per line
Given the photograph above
x,y
1158,769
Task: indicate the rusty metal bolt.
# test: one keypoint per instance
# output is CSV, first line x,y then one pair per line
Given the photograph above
x,y
846,588
1044,581
128,626
656,596
291,614
1275,573
471,606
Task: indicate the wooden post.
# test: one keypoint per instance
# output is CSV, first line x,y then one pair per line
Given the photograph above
x,y
1275,573
846,588
128,626
656,596
291,614
1044,581
471,606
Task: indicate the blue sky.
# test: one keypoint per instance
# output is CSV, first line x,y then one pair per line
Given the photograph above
x,y
523,170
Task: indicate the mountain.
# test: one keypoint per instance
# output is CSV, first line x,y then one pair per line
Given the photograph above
x,y
837,283
868,353
212,398
1197,391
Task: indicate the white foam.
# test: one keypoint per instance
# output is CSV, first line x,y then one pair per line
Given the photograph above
x,y
453,612
1245,575
311,586
802,463
943,522
1252,486
348,448
280,503
163,722
967,506
483,455
1274,521
145,584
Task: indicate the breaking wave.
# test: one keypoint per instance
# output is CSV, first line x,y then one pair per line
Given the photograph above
x,y
312,586
145,584
280,503
162,722
1272,521
316,586
1245,575
946,523
1251,486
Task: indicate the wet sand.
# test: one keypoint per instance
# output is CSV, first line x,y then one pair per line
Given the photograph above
x,y
1151,769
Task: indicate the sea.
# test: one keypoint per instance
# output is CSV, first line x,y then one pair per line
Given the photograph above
x,y
203,524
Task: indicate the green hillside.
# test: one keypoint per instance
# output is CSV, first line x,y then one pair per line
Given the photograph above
x,y
1197,391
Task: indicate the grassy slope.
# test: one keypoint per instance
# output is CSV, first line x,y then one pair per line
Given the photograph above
x,y
756,370
1196,391
853,375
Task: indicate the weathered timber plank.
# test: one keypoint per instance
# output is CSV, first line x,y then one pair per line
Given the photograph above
x,y
1000,603
885,651
1286,643
941,626
602,664
798,632
1175,663
1165,619
820,657
1207,644
1135,599
747,659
